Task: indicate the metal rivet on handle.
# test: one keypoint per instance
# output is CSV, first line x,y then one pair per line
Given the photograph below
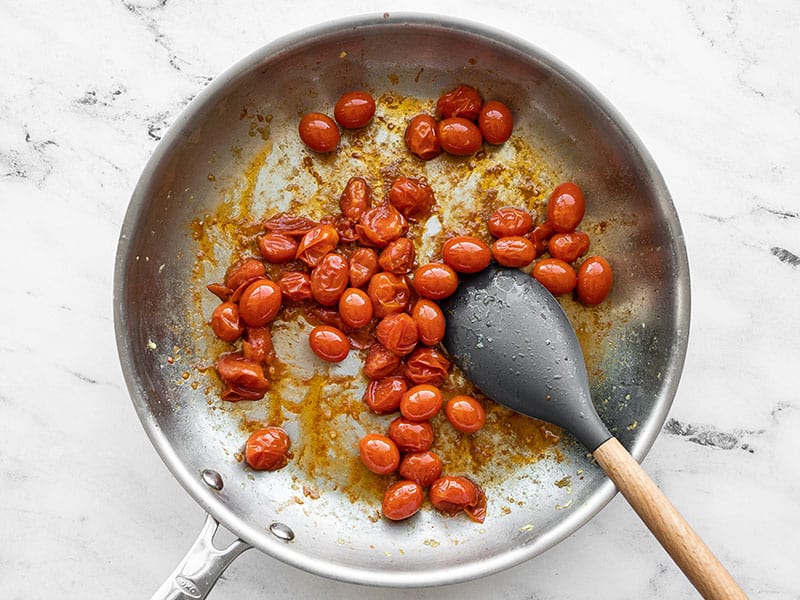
x,y
212,479
281,531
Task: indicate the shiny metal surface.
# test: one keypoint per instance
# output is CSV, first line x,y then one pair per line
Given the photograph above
x,y
634,368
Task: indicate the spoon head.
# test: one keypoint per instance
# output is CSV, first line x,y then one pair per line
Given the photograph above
x,y
513,340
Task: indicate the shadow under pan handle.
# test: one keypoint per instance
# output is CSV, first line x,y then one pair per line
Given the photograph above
x,y
677,537
201,567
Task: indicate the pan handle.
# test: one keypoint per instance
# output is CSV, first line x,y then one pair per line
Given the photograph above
x,y
201,567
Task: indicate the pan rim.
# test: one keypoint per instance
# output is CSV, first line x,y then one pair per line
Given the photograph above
x,y
209,500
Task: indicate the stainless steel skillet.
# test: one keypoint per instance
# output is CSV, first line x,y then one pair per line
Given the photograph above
x,y
233,157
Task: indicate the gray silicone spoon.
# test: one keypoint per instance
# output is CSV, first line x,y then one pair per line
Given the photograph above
x,y
513,340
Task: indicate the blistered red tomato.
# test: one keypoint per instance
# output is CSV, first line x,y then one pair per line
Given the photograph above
x,y
319,132
402,500
398,256
319,241
242,378
277,248
329,343
495,122
465,413
292,225
427,365
540,236
354,109
389,294
430,321
383,395
363,265
463,101
226,323
421,403
435,281
356,198
422,137
459,137
295,286
594,280
398,333
329,279
422,468
380,225
244,271
257,344
508,221
556,275
379,453
355,308
411,436
380,362
466,254
267,449
566,207
513,251
412,197
569,246
260,302
454,494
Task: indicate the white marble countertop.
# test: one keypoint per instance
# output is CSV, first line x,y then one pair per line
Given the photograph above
x,y
87,508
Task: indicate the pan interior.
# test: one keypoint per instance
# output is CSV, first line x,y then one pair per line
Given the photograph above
x,y
234,157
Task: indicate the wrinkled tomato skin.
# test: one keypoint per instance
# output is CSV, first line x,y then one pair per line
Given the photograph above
x,y
569,247
356,198
389,294
540,237
398,333
435,281
510,221
556,275
513,251
566,207
355,308
244,271
277,248
267,449
466,254
423,468
496,122
453,494
354,110
459,137
427,365
430,320
465,414
463,101
411,197
295,286
318,242
380,362
363,266
383,395
402,500
329,279
594,280
421,403
398,257
329,343
379,453
257,344
319,132
226,322
260,302
411,436
380,225
291,225
422,137
242,378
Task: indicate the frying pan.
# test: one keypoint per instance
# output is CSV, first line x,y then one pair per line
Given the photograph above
x,y
233,158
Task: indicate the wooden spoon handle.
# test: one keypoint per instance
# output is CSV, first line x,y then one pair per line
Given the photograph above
x,y
677,537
